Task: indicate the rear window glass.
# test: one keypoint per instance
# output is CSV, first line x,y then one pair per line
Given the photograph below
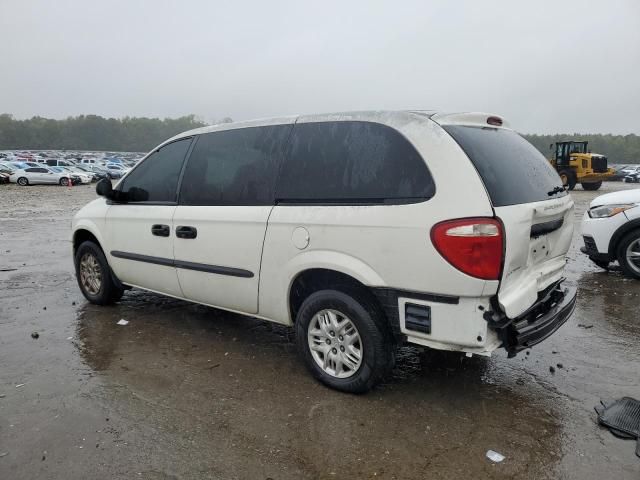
x,y
352,162
513,170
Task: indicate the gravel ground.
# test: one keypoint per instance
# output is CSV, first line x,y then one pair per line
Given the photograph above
x,y
185,391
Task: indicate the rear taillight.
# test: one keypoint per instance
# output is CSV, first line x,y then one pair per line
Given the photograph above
x,y
474,246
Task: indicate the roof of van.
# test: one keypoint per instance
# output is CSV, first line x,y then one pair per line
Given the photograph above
x,y
462,118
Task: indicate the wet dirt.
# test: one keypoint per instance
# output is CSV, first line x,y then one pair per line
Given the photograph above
x,y
184,391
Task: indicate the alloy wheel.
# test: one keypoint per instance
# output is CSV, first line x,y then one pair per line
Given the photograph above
x,y
90,274
335,343
633,255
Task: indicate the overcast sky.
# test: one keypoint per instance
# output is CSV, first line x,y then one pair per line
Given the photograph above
x,y
546,66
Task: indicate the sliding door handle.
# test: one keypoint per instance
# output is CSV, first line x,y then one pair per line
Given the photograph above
x,y
160,230
186,232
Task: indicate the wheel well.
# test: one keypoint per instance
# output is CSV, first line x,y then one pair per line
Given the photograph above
x,y
313,280
83,236
620,233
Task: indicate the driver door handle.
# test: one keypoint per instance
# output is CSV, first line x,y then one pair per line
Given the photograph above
x,y
160,230
186,232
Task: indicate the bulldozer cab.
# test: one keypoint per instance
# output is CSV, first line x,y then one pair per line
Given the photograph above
x,y
563,151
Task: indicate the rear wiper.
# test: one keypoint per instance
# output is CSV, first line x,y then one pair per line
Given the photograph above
x,y
556,190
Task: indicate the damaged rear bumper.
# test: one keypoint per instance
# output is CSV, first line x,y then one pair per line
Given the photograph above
x,y
552,309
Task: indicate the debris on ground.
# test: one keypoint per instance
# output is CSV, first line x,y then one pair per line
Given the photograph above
x,y
552,369
3,454
122,321
582,325
20,385
495,456
559,365
35,335
8,269
622,418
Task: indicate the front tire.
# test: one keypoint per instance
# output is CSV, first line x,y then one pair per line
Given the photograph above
x,y
592,186
94,275
23,181
64,181
629,254
568,178
343,340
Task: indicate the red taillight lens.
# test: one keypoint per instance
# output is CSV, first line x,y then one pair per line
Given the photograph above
x,y
473,245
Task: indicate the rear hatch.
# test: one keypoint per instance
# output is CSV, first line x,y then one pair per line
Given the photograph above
x,y
527,197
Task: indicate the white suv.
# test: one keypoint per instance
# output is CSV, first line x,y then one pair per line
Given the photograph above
x,y
611,231
361,230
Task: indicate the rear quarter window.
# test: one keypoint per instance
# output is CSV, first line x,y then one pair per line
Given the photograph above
x,y
513,170
352,162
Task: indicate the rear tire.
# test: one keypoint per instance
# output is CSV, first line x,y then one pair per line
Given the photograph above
x,y
628,246
94,275
592,186
23,181
316,326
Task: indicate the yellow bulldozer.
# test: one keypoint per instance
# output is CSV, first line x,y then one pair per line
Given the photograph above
x,y
576,164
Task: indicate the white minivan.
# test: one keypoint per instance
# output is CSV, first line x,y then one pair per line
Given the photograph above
x,y
362,230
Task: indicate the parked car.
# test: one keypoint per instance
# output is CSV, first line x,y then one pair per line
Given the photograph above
x,y
632,175
619,174
23,165
94,175
116,171
83,177
349,227
40,175
7,167
54,162
97,170
5,172
611,231
631,169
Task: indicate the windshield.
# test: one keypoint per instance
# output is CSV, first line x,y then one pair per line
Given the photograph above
x,y
578,148
513,170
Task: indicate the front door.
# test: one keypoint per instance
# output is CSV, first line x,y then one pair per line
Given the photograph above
x,y
220,222
140,226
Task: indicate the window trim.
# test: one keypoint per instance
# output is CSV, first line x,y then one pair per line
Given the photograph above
x,y
348,202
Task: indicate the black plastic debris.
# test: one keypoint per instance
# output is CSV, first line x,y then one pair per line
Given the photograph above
x,y
622,418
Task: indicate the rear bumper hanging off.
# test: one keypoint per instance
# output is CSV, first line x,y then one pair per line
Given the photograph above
x,y
553,308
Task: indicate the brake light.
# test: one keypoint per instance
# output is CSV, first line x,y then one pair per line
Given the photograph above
x,y
474,246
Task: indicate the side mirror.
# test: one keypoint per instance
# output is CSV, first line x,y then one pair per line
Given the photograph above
x,y
104,188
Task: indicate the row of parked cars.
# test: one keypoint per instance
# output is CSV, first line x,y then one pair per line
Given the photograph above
x,y
631,174
37,169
